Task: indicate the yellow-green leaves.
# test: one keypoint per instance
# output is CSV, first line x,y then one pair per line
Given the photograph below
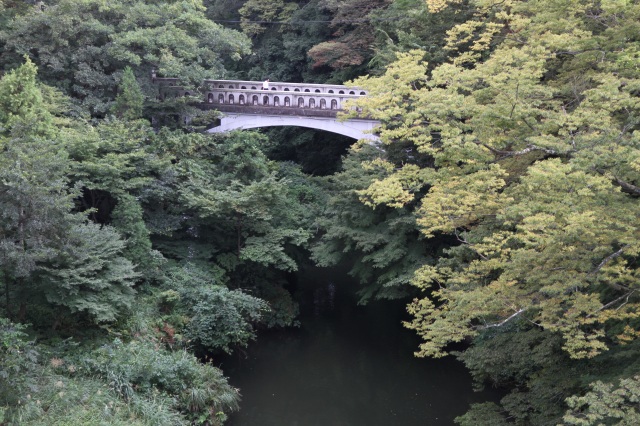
x,y
461,201
534,148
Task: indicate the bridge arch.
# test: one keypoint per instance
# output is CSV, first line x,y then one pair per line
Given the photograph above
x,y
353,128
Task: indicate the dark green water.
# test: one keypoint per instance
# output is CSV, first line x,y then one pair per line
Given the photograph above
x,y
346,365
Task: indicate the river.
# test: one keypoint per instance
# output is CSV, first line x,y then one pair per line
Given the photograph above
x,y
346,365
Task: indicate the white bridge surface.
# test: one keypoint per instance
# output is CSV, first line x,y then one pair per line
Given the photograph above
x,y
353,128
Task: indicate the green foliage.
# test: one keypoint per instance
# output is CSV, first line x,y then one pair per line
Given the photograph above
x,y
222,318
48,254
115,161
127,217
138,369
34,391
544,245
21,104
130,101
261,10
606,404
218,318
82,46
90,274
18,358
529,147
245,206
353,34
382,242
486,413
136,383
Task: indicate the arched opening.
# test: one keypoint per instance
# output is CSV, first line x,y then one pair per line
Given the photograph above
x,y
286,89
220,98
307,90
231,86
241,100
323,104
243,87
352,92
287,101
210,98
341,92
187,93
300,102
334,104
312,103
273,88
231,99
221,86
363,93
276,101
265,100
253,87
254,100
296,90
330,91
317,90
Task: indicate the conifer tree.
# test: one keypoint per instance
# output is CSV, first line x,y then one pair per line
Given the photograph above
x,y
130,101
47,253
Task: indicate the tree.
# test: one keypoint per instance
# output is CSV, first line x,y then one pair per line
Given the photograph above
x,y
219,318
380,242
243,203
90,274
479,124
130,100
353,34
82,47
606,403
34,197
37,225
116,161
533,140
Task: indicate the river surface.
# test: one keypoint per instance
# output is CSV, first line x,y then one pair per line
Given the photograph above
x,y
346,365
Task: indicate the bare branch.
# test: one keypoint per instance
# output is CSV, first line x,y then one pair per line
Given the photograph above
x,y
528,149
503,322
627,187
613,302
607,259
463,241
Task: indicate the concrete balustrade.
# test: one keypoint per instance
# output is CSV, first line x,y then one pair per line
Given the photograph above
x,y
224,93
333,89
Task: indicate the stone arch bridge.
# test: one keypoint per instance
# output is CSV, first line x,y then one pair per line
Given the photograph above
x,y
246,105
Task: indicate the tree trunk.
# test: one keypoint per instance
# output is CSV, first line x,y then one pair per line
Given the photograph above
x,y
7,300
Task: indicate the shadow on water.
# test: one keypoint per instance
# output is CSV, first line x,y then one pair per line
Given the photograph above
x,y
347,365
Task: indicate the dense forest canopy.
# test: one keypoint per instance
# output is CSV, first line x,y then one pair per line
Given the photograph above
x,y
502,202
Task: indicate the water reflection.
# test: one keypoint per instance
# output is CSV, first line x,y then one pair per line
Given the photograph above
x,y
347,365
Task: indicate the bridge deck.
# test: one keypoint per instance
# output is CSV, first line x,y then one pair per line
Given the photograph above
x,y
271,110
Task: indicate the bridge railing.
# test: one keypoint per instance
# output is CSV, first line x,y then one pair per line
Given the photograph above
x,y
280,98
333,89
289,98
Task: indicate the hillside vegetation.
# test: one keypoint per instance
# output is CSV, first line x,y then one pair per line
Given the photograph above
x,y
502,202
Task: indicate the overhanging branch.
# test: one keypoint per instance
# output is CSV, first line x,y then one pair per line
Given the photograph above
x,y
608,259
528,149
503,322
627,187
613,302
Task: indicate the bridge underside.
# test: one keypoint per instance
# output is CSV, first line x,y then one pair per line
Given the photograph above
x,y
353,128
